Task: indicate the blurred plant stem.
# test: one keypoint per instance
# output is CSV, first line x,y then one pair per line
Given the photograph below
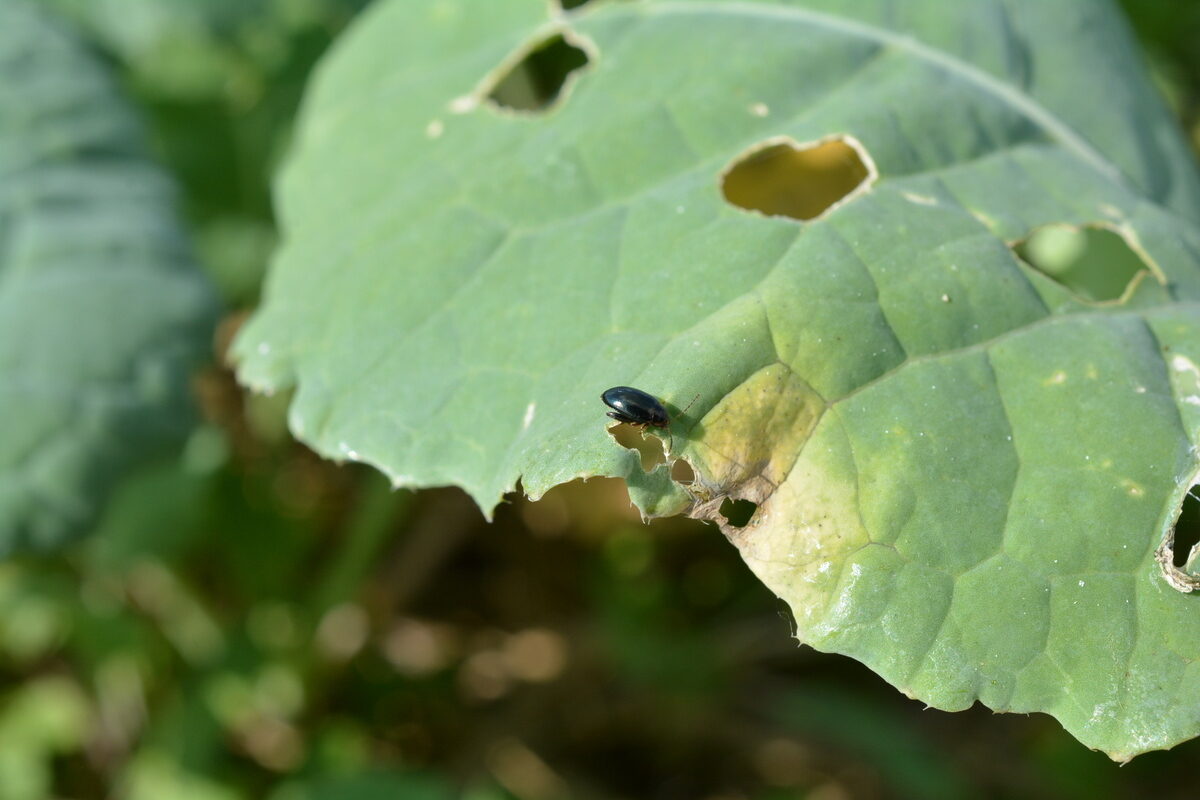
x,y
379,512
443,525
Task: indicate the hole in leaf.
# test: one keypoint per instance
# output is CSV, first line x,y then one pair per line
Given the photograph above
x,y
1093,262
737,512
682,472
1187,530
536,80
647,444
781,178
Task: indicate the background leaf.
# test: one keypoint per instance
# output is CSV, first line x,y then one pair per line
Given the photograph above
x,y
962,466
102,311
367,786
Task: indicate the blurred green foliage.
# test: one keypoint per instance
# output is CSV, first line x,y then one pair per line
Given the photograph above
x,y
104,313
252,622
219,82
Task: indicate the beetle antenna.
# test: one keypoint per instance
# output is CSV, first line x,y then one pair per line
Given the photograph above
x,y
670,433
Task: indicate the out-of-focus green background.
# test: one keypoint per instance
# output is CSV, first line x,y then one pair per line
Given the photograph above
x,y
250,621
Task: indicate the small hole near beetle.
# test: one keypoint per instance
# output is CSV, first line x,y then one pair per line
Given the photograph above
x,y
737,513
1186,534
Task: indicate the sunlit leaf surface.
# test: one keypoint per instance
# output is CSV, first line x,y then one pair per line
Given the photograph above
x,y
803,214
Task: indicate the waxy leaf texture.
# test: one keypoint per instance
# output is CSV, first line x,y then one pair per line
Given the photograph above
x,y
962,467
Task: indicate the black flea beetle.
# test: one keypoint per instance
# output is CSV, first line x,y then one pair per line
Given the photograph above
x,y
635,407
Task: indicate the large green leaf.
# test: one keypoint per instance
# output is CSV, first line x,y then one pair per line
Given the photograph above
x,y
962,467
102,310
